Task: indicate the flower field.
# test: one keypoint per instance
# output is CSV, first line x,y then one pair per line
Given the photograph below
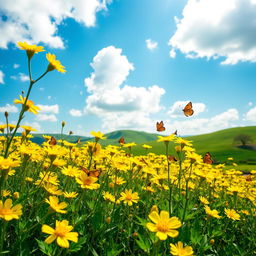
x,y
63,198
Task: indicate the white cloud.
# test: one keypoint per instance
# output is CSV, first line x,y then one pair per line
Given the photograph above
x,y
21,76
110,70
251,115
37,21
15,66
218,28
49,108
205,125
45,117
75,112
250,104
177,107
9,108
114,102
151,45
172,53
1,77
49,97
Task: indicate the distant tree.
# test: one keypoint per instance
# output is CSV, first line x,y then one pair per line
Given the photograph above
x,y
243,138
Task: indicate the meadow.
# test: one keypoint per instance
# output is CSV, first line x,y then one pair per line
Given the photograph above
x,y
64,198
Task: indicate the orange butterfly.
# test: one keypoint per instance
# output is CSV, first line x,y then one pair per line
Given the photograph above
x,y
78,140
121,140
188,111
52,141
160,126
172,158
93,173
208,158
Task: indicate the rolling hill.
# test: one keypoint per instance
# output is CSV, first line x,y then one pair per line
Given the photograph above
x,y
220,144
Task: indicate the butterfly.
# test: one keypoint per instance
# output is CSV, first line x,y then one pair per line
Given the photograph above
x,y
93,173
188,111
172,158
160,126
121,140
175,133
208,158
78,140
52,141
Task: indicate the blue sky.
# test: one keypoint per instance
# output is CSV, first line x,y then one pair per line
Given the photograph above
x,y
132,63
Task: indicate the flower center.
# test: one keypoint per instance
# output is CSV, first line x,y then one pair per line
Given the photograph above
x,y
61,232
87,181
162,226
129,197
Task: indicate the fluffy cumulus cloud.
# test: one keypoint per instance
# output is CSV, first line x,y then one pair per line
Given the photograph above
x,y
205,125
54,109
218,28
75,112
251,115
1,77
177,107
38,21
47,113
46,117
9,108
151,45
120,106
35,125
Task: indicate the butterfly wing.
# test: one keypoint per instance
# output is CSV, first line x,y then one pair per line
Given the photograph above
x,y
160,126
121,140
188,111
208,158
53,141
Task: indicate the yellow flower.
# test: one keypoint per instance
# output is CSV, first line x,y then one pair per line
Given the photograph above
x,y
6,163
232,214
182,142
70,194
55,205
87,182
52,189
179,250
163,225
128,197
146,146
71,171
108,196
61,233
154,208
28,129
30,49
166,138
7,212
98,135
118,180
30,106
93,148
203,200
212,213
54,64
5,193
2,127
129,145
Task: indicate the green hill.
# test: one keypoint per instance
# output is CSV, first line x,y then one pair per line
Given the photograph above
x,y
220,144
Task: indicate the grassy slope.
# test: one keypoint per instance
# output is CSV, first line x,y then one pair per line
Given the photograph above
x,y
220,144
